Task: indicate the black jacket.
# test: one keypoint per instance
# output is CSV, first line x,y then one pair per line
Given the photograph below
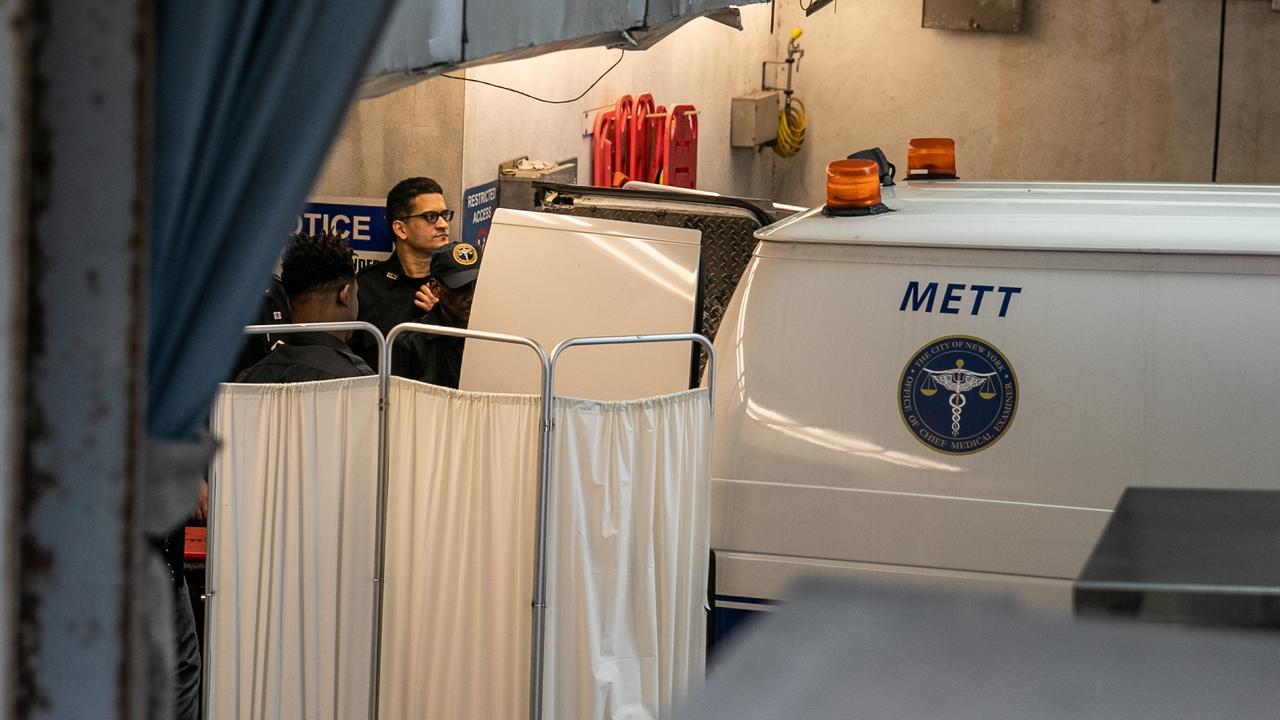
x,y
274,311
386,300
435,359
304,357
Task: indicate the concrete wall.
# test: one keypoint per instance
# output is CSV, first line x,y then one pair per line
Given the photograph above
x,y
704,63
460,132
1090,90
1249,148
415,131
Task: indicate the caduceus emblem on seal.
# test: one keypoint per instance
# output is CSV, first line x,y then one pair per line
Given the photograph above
x,y
959,381
958,394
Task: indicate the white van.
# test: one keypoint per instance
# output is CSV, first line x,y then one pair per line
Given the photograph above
x,y
956,391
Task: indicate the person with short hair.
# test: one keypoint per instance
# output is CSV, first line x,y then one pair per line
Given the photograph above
x,y
437,359
395,291
319,278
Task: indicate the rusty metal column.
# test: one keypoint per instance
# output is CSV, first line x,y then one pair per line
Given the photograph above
x,y
11,192
85,233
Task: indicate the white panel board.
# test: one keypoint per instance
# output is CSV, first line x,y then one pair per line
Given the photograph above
x,y
553,277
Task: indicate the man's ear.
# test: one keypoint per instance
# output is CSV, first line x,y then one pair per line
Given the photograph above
x,y
434,286
397,229
346,294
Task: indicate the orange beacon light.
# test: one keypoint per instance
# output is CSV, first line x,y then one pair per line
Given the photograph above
x,y
931,158
853,184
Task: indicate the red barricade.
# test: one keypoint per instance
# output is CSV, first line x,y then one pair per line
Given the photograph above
x,y
637,140
681,154
644,139
602,150
657,172
623,130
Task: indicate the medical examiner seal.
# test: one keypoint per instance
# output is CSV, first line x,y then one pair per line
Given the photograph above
x,y
958,394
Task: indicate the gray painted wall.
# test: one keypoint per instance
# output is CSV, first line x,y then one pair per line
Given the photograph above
x,y
703,63
414,131
460,132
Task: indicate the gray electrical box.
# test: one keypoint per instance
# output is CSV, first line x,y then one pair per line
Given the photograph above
x,y
980,15
754,120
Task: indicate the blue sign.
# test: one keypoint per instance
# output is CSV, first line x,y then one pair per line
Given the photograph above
x,y
363,222
478,204
958,395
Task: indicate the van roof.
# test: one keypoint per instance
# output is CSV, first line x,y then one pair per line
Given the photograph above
x,y
1106,217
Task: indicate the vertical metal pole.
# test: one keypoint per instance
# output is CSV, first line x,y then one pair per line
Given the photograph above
x,y
544,474
384,402
540,563
13,144
380,516
86,222
210,586
540,550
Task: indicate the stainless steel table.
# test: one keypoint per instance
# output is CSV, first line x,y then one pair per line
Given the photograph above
x,y
1201,557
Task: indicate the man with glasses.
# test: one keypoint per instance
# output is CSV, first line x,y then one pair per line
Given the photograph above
x,y
395,291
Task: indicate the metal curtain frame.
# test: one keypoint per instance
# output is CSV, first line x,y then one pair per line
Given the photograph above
x,y
544,475
288,329
548,391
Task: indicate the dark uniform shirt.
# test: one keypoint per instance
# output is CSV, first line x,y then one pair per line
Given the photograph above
x,y
386,300
304,357
435,359
274,311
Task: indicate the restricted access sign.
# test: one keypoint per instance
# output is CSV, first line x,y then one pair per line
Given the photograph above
x,y
362,221
478,205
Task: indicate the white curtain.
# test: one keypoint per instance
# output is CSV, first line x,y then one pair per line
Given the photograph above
x,y
461,505
628,574
293,496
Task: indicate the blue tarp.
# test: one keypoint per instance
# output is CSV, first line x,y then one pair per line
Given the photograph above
x,y
249,96
424,38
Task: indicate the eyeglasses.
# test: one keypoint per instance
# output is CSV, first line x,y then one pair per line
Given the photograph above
x,y
431,216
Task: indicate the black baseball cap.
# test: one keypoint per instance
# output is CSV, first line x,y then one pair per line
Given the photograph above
x,y
455,264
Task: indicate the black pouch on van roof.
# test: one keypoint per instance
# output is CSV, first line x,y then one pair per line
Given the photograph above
x,y
876,155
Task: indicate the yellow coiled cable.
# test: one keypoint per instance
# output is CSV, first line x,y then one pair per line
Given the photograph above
x,y
791,122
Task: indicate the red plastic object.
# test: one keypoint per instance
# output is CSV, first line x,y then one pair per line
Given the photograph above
x,y
193,546
644,138
659,161
682,147
602,149
623,129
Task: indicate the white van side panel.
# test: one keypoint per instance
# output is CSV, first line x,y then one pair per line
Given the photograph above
x,y
743,578
1131,370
